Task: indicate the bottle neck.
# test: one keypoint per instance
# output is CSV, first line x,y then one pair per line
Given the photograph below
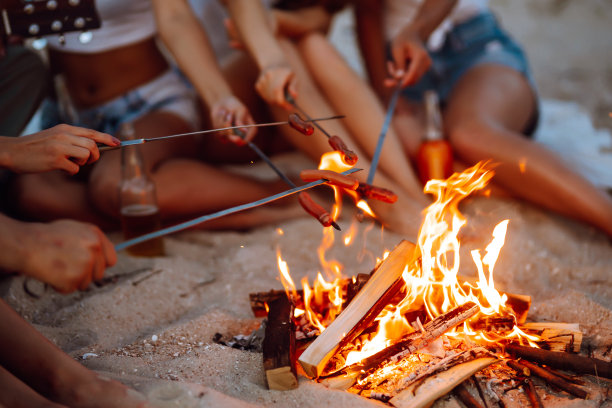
x,y
433,118
132,162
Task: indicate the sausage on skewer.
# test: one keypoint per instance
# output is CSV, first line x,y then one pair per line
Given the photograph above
x,y
331,177
348,156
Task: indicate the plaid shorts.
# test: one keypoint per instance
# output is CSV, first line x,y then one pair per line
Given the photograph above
x,y
169,92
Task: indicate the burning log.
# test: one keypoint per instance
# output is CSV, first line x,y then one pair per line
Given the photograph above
x,y
556,336
360,313
260,300
423,394
520,304
279,346
462,393
418,340
564,361
527,368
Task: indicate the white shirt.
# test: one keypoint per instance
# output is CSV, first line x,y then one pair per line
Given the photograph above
x,y
123,22
398,13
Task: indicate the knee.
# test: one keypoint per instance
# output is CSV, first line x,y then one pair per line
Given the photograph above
x,y
103,192
468,137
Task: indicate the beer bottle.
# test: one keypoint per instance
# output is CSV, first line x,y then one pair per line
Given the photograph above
x,y
138,200
435,155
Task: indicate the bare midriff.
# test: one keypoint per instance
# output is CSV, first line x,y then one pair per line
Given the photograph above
x,y
93,79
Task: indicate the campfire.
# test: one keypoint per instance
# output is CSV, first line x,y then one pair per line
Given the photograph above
x,y
412,330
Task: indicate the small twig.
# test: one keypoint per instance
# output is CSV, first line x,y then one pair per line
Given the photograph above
x,y
532,394
480,391
144,278
465,397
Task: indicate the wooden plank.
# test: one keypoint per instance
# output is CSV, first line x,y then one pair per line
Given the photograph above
x,y
360,313
556,336
423,394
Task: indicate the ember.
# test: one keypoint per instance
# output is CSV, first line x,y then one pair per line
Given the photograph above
x,y
412,330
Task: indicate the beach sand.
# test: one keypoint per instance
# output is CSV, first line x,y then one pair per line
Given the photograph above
x,y
151,324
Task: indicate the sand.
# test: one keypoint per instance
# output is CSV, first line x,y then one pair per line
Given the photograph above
x,y
151,324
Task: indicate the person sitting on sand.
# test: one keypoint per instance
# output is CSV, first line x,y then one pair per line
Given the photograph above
x,y
124,75
489,100
66,254
289,52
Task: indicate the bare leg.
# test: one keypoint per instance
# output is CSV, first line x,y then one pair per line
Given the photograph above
x,y
33,359
349,94
185,185
484,117
16,394
54,195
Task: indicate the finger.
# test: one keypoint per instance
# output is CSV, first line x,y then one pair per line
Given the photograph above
x,y
68,166
399,59
80,155
99,137
89,144
246,119
108,250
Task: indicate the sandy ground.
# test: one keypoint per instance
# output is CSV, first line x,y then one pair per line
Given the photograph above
x,y
152,322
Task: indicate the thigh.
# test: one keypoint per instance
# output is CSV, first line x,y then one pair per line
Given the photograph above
x,y
491,95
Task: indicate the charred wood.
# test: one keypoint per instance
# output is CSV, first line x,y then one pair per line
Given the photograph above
x,y
279,346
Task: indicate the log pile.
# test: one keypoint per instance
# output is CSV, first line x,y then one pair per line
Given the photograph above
x,y
428,362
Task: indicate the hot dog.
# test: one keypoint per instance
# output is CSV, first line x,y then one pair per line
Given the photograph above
x,y
300,125
338,144
331,177
315,209
376,193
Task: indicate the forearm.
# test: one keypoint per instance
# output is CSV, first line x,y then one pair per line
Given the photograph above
x,y
295,24
370,37
12,254
252,24
187,41
429,16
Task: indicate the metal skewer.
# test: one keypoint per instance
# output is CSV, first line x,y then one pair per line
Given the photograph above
x,y
278,171
192,223
201,132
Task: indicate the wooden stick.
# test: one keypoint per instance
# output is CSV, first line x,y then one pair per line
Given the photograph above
x,y
564,361
361,312
465,397
532,394
260,299
417,340
527,368
279,346
554,380
422,394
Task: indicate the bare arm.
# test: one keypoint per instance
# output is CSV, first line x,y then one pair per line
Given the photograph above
x,y
295,24
185,38
255,31
369,24
410,57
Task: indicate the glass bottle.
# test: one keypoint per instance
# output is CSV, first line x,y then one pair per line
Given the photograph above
x,y
137,198
435,155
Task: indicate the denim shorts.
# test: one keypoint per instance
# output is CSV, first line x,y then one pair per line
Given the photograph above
x,y
478,40
169,92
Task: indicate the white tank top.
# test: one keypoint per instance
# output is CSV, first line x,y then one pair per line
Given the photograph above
x,y
398,13
123,22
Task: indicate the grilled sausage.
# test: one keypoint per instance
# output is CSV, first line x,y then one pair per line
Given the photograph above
x,y
300,125
376,193
331,177
348,156
315,209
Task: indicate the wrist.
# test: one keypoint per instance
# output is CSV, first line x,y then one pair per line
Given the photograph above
x,y
13,235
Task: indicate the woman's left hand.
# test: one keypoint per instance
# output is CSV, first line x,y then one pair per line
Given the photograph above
x,y
410,59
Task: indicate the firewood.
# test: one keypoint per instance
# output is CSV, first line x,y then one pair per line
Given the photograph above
x,y
532,394
564,361
360,313
417,340
462,393
527,368
279,346
556,336
519,304
422,394
259,300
